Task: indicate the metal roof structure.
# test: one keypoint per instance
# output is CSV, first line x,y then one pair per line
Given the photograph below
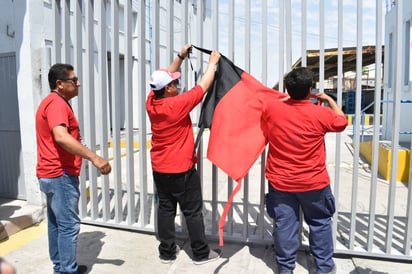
x,y
331,60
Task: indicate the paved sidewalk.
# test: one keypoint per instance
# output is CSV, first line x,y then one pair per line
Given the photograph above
x,y
113,250
108,250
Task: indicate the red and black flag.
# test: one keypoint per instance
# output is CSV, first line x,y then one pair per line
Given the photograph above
x,y
232,110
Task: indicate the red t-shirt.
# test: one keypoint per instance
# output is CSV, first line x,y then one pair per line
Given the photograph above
x,y
295,130
52,159
172,133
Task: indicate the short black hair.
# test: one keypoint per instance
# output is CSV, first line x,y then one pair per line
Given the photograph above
x,y
159,93
58,72
298,83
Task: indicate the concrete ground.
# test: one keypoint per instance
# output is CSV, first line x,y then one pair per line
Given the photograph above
x,y
23,241
111,250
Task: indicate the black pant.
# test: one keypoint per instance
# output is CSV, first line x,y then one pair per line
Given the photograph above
x,y
183,188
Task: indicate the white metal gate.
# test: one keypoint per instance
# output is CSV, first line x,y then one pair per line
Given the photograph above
x,y
115,45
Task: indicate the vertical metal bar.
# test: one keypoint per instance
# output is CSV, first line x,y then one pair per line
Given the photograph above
x,y
264,58
185,38
338,135
154,57
281,43
408,232
321,45
200,13
261,217
247,67
154,64
395,122
231,43
245,217
215,45
231,54
66,45
215,24
102,82
199,57
89,90
170,31
214,199
304,32
116,109
262,209
288,23
247,35
141,56
78,104
183,69
78,61
355,176
128,85
230,212
57,54
340,63
376,126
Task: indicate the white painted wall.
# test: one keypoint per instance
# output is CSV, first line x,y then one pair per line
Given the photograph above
x,y
21,32
389,76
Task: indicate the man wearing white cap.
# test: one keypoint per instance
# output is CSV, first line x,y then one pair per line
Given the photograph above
x,y
173,164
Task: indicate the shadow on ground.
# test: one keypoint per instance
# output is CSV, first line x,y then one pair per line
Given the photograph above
x,y
91,243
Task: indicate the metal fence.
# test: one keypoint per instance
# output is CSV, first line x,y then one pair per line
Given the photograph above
x,y
115,45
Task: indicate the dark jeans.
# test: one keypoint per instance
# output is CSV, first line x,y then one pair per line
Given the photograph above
x,y
318,207
183,188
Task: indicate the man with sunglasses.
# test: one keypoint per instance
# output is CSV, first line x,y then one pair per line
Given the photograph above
x,y
59,158
173,159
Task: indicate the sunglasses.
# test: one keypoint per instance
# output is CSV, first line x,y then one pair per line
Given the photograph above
x,y
74,79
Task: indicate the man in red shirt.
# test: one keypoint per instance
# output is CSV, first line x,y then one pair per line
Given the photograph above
x,y
297,173
173,159
59,158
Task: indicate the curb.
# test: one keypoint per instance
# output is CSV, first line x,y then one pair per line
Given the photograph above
x,y
17,215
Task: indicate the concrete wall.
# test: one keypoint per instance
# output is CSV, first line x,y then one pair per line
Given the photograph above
x,y
21,32
30,51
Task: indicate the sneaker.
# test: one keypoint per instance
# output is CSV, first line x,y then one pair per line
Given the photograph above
x,y
213,256
332,271
81,269
172,259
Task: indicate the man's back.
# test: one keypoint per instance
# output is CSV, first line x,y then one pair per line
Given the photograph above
x,y
295,131
172,133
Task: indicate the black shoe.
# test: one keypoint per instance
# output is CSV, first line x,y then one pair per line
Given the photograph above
x,y
81,269
213,256
172,259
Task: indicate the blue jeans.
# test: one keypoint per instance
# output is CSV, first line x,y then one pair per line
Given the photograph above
x,y
318,207
63,220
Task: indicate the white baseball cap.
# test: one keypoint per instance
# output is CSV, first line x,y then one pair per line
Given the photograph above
x,y
162,77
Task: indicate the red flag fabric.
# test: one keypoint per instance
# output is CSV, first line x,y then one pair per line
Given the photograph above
x,y
232,110
236,137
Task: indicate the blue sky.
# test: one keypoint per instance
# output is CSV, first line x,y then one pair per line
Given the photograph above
x,y
313,30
